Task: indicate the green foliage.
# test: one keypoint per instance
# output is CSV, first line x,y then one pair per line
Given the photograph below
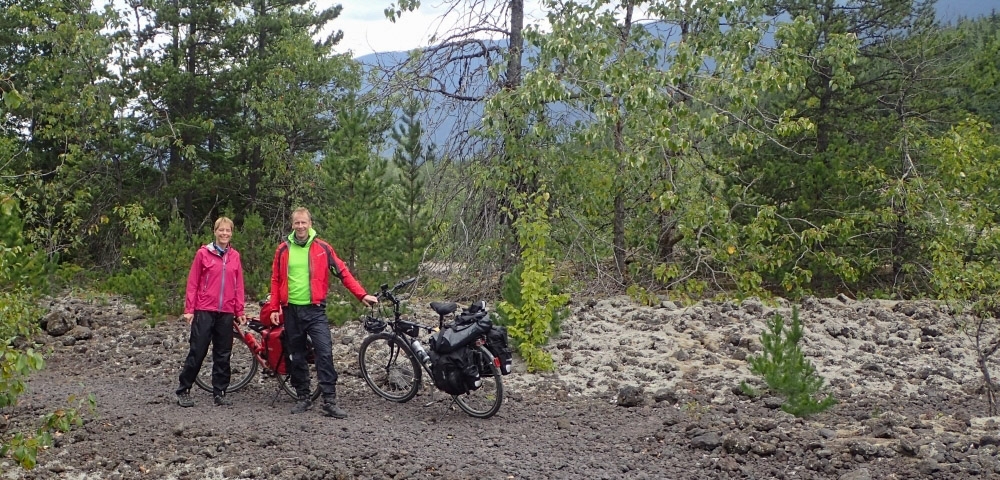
x,y
339,313
20,265
846,202
20,269
15,366
749,390
355,215
65,91
785,369
394,12
533,311
256,248
19,318
642,295
156,266
24,448
960,206
806,147
510,291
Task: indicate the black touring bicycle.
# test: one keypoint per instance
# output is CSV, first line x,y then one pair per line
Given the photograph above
x,y
467,358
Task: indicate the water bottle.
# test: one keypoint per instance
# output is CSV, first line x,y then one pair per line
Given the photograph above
x,y
421,354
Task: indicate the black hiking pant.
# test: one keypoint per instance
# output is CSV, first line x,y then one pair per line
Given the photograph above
x,y
310,320
215,328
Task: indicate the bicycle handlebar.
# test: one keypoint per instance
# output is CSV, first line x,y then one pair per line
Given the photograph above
x,y
401,284
386,292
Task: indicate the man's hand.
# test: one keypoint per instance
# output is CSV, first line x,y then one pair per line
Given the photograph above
x,y
275,318
242,319
369,300
189,317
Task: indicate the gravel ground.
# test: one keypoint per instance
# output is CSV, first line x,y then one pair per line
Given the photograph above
x,y
640,392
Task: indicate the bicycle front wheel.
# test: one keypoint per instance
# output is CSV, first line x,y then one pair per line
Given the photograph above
x,y
389,367
485,401
242,365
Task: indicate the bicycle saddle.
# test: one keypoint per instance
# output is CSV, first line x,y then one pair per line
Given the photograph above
x,y
444,308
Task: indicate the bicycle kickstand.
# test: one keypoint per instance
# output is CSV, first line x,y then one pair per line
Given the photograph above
x,y
277,392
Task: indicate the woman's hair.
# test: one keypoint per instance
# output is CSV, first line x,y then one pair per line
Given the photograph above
x,y
298,211
223,221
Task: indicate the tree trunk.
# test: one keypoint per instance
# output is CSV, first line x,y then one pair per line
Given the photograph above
x,y
618,223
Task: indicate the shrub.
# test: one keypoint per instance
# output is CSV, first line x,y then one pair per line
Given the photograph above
x,y
19,316
785,369
256,248
532,308
155,269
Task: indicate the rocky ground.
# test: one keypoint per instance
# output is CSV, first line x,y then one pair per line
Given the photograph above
x,y
640,392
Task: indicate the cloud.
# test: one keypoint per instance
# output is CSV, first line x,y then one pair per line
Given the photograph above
x,y
363,35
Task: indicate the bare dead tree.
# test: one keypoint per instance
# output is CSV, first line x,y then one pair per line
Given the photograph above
x,y
986,339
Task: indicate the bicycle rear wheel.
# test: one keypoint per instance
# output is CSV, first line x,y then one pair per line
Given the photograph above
x,y
286,383
485,401
241,363
389,367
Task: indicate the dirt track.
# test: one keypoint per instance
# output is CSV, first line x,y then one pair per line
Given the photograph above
x,y
543,430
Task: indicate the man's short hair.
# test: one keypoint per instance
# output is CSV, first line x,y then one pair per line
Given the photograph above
x,y
301,210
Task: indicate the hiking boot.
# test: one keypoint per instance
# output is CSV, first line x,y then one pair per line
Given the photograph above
x,y
184,400
331,409
222,401
303,405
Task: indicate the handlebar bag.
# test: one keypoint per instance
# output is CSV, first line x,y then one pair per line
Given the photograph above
x,y
265,315
457,336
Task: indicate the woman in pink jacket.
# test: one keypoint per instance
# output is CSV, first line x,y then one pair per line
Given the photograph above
x,y
214,299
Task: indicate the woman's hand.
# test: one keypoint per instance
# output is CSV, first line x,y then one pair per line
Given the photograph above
x,y
369,300
189,317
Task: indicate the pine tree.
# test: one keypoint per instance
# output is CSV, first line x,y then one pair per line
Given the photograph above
x,y
413,159
785,369
352,211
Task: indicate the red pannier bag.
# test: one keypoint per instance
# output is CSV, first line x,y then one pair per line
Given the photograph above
x,y
274,351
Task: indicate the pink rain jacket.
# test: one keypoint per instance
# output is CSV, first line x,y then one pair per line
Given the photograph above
x,y
215,282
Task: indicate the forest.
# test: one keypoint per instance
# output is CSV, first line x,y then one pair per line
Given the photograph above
x,y
663,149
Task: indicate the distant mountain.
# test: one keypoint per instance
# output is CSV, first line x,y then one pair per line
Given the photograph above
x,y
949,11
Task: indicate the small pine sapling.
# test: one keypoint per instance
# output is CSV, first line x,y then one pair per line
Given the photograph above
x,y
785,369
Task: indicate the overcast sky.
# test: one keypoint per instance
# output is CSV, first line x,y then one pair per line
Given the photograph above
x,y
366,30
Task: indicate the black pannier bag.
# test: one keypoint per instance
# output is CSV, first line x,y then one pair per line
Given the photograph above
x,y
459,335
456,372
498,344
